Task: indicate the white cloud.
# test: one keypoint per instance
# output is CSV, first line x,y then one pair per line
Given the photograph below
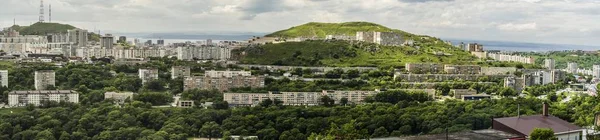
x,y
518,27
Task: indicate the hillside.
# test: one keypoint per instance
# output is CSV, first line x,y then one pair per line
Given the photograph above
x,y
316,29
42,28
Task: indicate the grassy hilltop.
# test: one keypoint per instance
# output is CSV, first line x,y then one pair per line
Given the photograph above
x,y
345,53
42,28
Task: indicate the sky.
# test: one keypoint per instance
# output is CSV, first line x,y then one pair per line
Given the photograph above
x,y
540,21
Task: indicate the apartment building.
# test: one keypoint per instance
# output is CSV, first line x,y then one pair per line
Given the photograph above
x,y
122,53
424,68
473,47
204,53
572,67
596,71
296,98
497,70
511,58
36,97
3,78
148,75
223,83
180,71
549,63
516,83
462,69
213,73
44,79
444,77
340,37
381,38
107,41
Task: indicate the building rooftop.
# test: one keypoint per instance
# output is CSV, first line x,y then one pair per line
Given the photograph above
x,y
486,134
43,92
526,124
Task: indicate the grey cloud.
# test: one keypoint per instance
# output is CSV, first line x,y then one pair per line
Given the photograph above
x,y
421,1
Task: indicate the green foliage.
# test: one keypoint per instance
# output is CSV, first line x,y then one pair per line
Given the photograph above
x,y
561,58
396,96
343,53
155,98
43,28
542,134
316,29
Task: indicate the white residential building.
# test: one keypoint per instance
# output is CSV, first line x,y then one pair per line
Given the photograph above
x,y
3,78
204,53
148,75
381,38
180,71
511,58
213,73
43,79
296,98
549,63
118,97
36,97
596,71
572,67
121,53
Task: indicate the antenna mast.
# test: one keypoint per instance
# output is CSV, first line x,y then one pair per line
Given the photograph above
x,y
41,11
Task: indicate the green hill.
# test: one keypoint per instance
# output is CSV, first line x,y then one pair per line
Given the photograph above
x,y
316,29
42,28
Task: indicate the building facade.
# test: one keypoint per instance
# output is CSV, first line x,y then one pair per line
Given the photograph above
x,y
462,69
424,68
222,83
44,79
516,83
296,98
3,78
78,37
37,97
107,41
381,38
549,63
118,97
180,71
204,53
572,67
213,73
147,75
596,71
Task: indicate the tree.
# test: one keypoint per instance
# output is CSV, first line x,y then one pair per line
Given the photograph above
x,y
542,134
380,132
326,100
45,135
266,103
210,129
344,101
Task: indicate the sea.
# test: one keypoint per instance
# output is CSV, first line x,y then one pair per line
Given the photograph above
x,y
524,46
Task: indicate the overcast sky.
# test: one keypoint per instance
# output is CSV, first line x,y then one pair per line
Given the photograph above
x,y
545,21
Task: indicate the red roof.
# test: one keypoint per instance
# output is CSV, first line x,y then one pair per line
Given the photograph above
x,y
525,124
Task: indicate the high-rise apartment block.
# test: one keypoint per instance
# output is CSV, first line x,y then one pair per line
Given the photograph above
x,y
148,75
78,37
596,71
180,71
44,79
3,78
37,97
473,47
381,38
107,41
122,39
549,63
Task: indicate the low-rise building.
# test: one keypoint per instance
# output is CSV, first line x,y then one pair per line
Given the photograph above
x,y
296,98
381,38
445,77
475,97
44,79
524,125
147,75
180,71
223,83
3,78
37,97
458,93
185,103
118,97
